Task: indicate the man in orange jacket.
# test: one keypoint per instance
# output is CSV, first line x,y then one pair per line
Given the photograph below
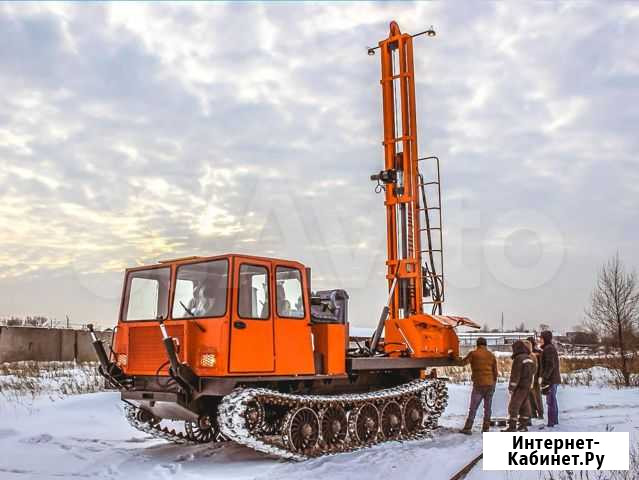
x,y
483,365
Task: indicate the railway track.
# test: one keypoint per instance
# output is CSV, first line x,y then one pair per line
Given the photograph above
x,y
461,474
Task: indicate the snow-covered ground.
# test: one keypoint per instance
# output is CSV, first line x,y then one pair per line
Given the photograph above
x,y
87,436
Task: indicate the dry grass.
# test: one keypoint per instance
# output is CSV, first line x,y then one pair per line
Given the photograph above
x,y
462,374
579,371
571,364
574,370
631,474
25,381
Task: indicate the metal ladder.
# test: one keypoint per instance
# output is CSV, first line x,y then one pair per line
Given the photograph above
x,y
431,237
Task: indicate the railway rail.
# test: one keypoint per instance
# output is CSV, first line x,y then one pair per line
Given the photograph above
x,y
466,469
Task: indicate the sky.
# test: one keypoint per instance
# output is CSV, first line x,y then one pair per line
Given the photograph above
x,y
132,132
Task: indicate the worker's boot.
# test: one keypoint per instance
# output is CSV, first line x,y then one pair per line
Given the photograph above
x,y
468,427
486,426
523,424
512,426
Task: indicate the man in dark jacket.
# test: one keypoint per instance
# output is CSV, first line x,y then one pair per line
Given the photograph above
x,y
483,366
536,405
550,376
521,378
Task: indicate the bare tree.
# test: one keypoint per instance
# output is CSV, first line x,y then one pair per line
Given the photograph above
x,y
614,309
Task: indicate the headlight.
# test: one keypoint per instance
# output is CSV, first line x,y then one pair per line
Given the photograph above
x,y
208,360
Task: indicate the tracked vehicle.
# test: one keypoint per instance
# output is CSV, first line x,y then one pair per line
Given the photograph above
x,y
241,348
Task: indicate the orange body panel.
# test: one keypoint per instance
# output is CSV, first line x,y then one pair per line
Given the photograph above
x,y
293,347
251,348
330,341
426,337
149,355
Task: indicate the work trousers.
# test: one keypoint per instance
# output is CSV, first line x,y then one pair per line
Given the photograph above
x,y
519,405
536,404
479,394
553,408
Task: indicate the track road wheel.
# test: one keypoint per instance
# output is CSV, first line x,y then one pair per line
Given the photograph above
x,y
333,427
413,415
391,420
431,397
144,416
273,420
254,415
302,430
202,431
365,423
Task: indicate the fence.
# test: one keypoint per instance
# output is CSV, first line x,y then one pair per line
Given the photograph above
x,y
47,344
39,322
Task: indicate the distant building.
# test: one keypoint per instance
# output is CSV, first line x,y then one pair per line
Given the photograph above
x,y
500,341
581,338
469,339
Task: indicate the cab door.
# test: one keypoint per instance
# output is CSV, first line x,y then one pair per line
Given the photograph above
x,y
251,349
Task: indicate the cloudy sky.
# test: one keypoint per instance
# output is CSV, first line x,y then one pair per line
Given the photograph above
x,y
131,133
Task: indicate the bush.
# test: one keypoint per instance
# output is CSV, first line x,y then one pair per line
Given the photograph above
x,y
631,474
23,381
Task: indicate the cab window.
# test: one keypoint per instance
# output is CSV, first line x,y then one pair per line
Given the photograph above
x,y
253,292
147,294
290,302
200,289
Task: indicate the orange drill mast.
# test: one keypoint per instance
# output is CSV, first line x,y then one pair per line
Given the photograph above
x,y
400,155
409,280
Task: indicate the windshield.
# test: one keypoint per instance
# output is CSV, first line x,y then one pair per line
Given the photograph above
x,y
200,290
147,294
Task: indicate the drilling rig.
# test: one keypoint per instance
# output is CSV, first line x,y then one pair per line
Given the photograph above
x,y
240,348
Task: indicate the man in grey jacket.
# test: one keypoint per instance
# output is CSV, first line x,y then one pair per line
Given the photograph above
x,y
521,379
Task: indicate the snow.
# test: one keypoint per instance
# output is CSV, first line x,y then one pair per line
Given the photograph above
x,y
497,353
360,331
87,436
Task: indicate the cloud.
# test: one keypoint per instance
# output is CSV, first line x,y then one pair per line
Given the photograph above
x,y
134,132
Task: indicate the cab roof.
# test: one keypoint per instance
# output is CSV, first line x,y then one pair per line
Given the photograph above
x,y
198,258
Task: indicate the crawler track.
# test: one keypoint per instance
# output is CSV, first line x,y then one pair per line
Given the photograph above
x,y
193,433
299,427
